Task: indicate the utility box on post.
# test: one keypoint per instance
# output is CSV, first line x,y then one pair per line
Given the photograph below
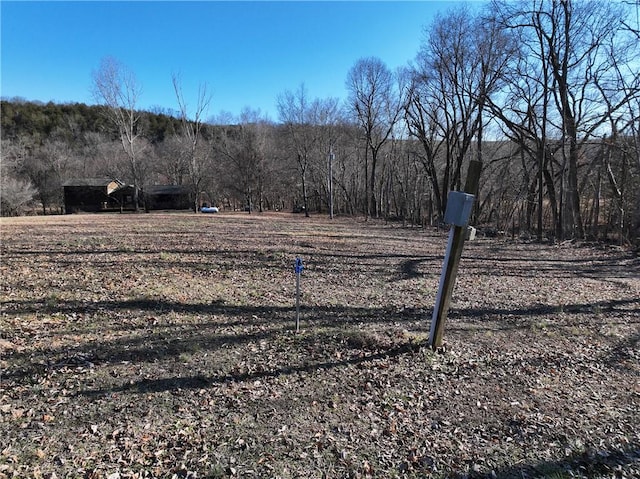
x,y
458,212
459,206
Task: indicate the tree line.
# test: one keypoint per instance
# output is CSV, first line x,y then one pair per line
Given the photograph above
x,y
545,93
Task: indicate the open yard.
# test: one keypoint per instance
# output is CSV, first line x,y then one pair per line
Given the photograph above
x,y
164,345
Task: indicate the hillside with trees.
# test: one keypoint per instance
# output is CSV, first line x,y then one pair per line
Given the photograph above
x,y
546,94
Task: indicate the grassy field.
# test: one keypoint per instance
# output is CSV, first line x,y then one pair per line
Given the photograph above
x,y
164,345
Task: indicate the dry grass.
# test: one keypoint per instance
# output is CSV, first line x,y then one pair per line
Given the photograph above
x,y
163,345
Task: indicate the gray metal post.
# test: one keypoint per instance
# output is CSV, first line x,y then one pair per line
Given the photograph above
x,y
455,245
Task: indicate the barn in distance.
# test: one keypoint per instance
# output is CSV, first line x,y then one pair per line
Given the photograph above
x,y
93,195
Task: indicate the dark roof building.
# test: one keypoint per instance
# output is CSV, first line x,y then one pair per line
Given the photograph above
x,y
90,194
108,194
167,197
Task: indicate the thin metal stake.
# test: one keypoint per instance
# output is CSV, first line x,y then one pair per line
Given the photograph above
x,y
298,269
297,302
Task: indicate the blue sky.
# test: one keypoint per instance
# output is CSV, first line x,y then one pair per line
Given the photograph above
x,y
246,52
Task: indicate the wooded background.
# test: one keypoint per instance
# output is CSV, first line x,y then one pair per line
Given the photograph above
x,y
546,94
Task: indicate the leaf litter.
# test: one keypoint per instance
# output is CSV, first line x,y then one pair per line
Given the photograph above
x,y
164,345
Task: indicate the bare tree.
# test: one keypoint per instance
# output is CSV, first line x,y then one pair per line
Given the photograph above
x,y
375,104
116,87
16,192
576,46
524,109
103,156
310,130
171,162
329,116
459,67
423,114
15,195
194,155
295,114
245,151
47,170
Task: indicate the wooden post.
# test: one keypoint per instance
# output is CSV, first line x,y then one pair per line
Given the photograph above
x,y
455,245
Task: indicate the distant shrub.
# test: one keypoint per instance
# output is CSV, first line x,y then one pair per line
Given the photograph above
x,y
15,195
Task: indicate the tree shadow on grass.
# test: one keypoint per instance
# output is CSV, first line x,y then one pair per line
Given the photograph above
x,y
622,265
201,381
158,306
606,462
629,306
140,341
625,354
223,325
410,268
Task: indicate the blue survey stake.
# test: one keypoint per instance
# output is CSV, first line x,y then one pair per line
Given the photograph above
x,y
299,266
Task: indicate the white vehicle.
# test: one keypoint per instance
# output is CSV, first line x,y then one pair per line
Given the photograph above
x,y
209,209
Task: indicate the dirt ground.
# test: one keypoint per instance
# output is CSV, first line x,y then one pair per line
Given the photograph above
x,y
164,345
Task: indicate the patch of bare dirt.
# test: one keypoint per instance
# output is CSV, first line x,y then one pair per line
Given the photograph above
x,y
164,345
